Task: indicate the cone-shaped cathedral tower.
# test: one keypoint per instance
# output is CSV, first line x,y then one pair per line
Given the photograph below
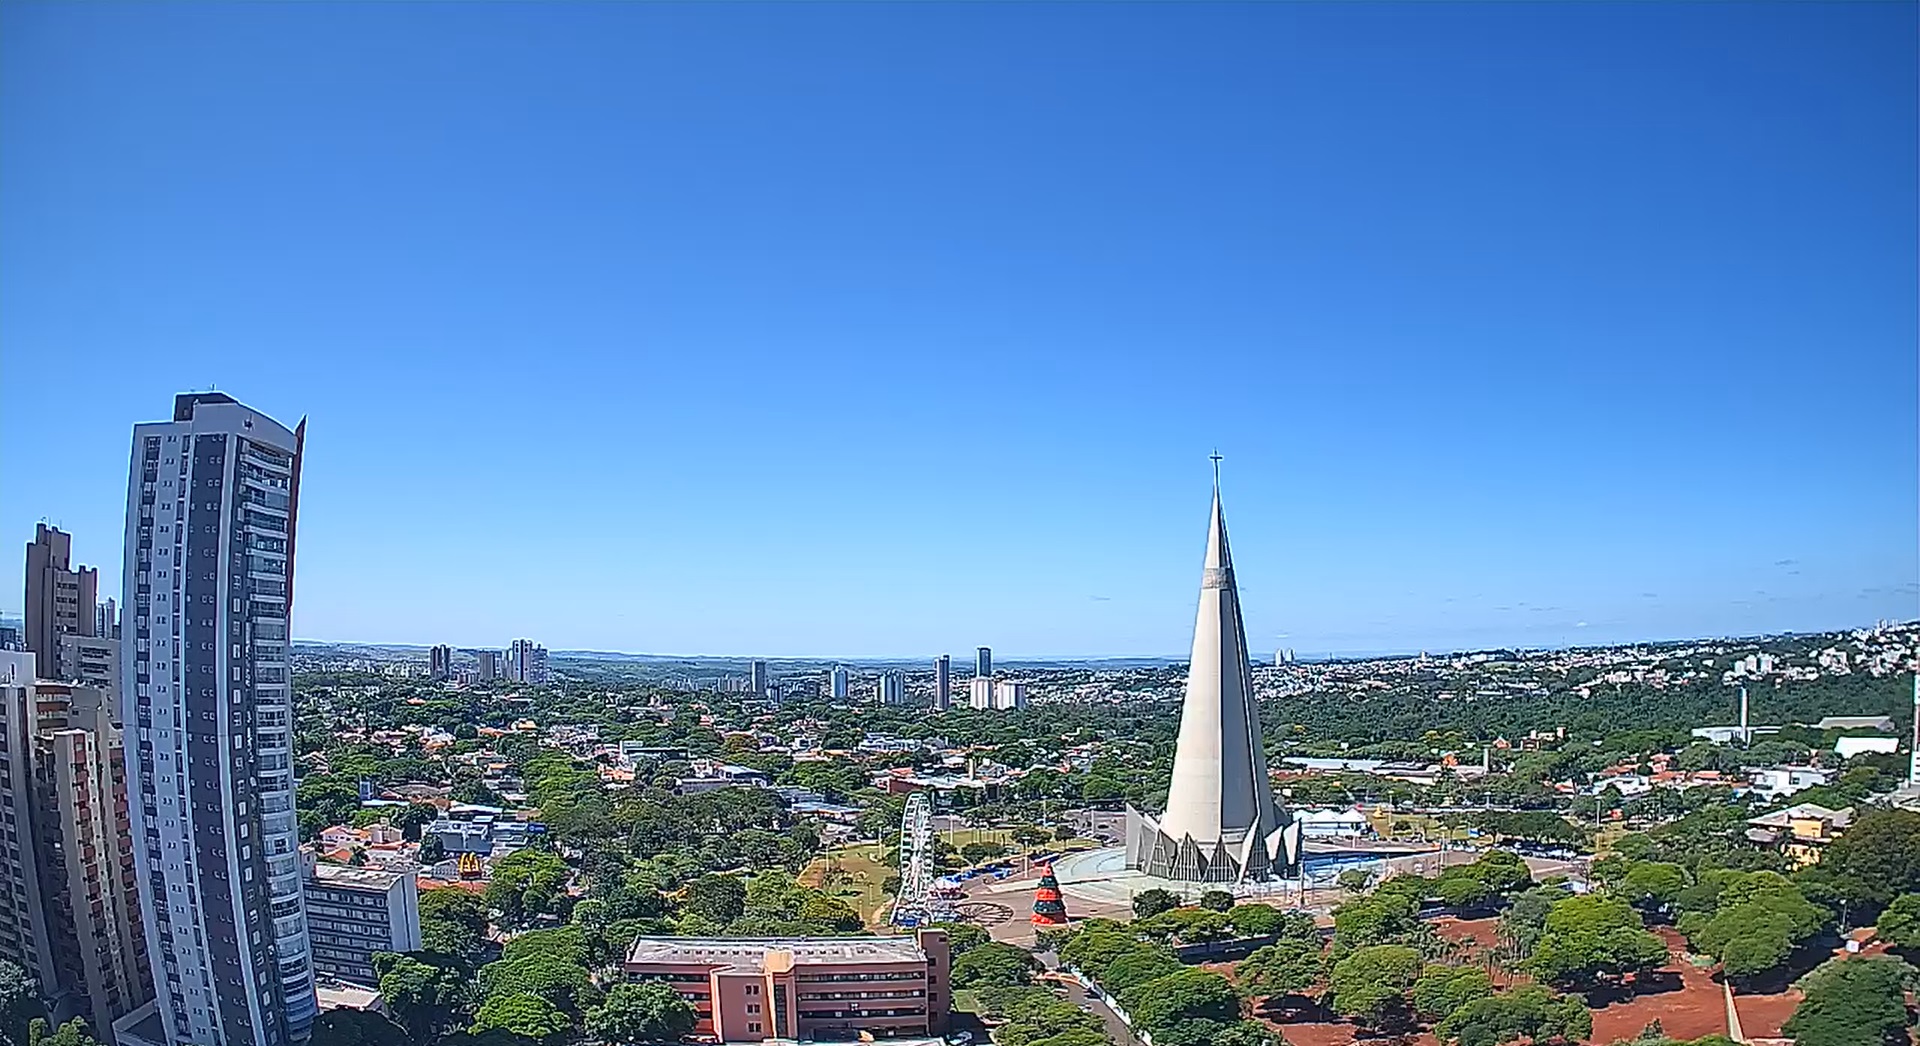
x,y
1222,824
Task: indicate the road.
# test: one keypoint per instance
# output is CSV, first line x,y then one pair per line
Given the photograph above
x,y
1117,1029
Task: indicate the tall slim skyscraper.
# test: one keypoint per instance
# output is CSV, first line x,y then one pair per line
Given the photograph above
x,y
889,689
440,662
942,683
526,662
757,677
983,663
106,620
60,598
837,681
1222,824
1913,756
488,667
212,505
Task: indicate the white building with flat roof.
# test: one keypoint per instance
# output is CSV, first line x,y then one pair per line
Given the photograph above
x,y
980,693
1008,694
355,913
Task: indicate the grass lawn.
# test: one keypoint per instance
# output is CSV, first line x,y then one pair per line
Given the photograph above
x,y
1411,827
860,885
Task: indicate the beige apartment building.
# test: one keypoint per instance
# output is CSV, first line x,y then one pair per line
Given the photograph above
x,y
69,906
807,988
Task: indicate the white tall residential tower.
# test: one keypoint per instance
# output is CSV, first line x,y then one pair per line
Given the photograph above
x,y
1222,824
212,498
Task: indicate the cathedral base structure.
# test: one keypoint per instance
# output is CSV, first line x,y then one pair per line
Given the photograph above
x,y
1226,860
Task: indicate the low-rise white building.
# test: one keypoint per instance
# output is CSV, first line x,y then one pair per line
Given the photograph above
x,y
1774,782
354,913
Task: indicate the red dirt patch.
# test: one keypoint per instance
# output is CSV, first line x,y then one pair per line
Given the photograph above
x,y
1481,930
1692,1005
1762,1015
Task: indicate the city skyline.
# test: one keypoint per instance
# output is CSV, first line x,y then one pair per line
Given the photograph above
x,y
1538,380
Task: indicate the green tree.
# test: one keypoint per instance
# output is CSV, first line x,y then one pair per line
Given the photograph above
x,y
1260,920
524,1014
1444,989
415,817
1877,860
1216,900
993,965
344,1027
1287,967
565,984
1354,880
1528,1012
1899,924
73,1033
1149,903
19,1002
1371,984
525,884
425,993
962,937
453,921
1759,920
1462,891
717,898
1591,938
1185,995
331,799
1379,918
1139,967
1652,886
1852,1002
1526,918
635,1013
831,914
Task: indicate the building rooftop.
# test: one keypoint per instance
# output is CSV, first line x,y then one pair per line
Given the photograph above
x,y
1803,812
346,875
751,954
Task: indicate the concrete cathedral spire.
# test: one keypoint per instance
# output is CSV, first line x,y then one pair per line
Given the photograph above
x,y
1221,824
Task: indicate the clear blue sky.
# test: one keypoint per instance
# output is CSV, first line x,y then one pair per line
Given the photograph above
x,y
893,329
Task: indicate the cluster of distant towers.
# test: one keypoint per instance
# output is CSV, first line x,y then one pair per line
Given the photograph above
x,y
523,661
889,686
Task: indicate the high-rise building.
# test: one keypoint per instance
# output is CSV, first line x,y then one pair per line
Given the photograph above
x,y
980,692
440,662
489,665
1222,824
10,638
942,683
1913,756
837,681
212,506
106,619
889,689
1008,694
60,598
93,660
68,879
356,913
757,677
983,663
526,662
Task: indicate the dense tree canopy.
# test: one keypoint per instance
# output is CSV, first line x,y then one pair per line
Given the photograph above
x,y
1592,938
1853,1002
